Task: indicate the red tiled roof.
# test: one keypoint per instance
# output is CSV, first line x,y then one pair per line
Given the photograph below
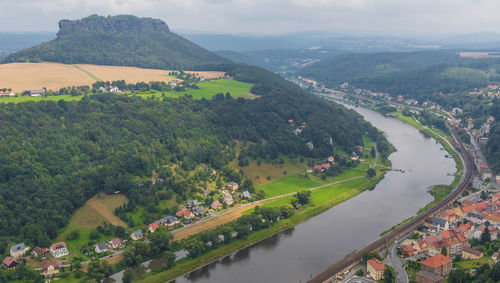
x,y
436,261
153,226
325,165
450,212
446,234
53,247
430,239
8,261
462,238
318,167
116,242
376,264
48,264
467,209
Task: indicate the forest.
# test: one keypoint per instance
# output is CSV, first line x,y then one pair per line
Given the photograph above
x,y
59,154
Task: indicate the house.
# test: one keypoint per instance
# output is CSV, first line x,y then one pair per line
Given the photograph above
x,y
185,213
468,253
216,204
50,268
59,249
495,197
37,251
331,159
199,210
325,166
310,145
297,131
191,203
246,195
17,251
291,122
34,92
232,186
169,221
137,235
475,217
400,98
440,223
9,262
228,199
493,218
466,229
318,168
115,244
101,248
434,269
359,148
152,227
375,268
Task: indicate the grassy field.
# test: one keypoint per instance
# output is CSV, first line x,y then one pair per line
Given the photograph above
x,y
39,98
95,212
473,263
287,185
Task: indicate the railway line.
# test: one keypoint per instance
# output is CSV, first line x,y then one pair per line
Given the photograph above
x,y
382,242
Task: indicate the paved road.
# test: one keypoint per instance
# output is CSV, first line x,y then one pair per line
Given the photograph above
x,y
357,279
395,262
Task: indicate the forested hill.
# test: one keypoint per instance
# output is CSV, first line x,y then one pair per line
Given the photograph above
x,y
119,40
58,155
419,74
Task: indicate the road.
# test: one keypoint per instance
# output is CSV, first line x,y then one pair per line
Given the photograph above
x,y
410,225
396,262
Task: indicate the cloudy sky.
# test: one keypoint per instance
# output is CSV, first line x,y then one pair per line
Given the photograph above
x,y
269,16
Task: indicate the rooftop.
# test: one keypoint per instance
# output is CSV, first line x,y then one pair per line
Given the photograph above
x,y
436,261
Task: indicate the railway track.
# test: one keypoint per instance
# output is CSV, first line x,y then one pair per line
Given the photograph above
x,y
466,178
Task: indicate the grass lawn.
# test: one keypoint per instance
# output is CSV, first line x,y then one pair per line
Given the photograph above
x,y
40,98
287,185
473,263
367,142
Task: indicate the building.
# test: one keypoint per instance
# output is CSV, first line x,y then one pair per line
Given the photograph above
x,y
331,159
468,253
310,145
152,227
434,269
216,204
17,251
199,210
37,251
101,248
137,235
246,195
50,268
187,214
375,268
9,262
59,249
440,223
115,244
232,186
34,92
169,221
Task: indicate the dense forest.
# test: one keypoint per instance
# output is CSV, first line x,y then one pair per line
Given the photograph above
x,y
58,155
115,41
421,75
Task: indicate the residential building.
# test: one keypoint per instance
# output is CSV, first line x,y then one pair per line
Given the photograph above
x,y
59,249
169,221
137,235
17,251
246,195
152,227
440,223
434,269
331,159
101,248
187,214
199,210
468,253
116,243
37,251
375,268
310,145
10,262
50,268
34,92
216,204
232,186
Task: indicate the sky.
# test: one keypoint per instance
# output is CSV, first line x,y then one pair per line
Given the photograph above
x,y
397,17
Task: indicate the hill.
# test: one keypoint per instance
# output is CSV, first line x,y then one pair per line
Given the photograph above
x,y
121,41
419,74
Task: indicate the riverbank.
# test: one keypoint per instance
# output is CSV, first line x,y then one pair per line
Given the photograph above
x,y
321,203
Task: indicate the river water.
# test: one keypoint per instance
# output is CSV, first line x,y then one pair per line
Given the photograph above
x,y
298,254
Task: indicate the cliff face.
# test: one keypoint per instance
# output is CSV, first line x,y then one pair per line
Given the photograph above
x,y
111,24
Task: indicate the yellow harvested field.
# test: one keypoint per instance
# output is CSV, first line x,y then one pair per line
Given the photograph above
x,y
21,76
213,223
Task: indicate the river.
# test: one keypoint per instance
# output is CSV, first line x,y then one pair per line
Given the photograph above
x,y
299,253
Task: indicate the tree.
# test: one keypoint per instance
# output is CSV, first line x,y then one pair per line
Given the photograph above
x,y
388,275
194,246
495,272
459,276
485,236
371,172
444,251
170,258
127,276
120,232
303,197
73,235
94,270
160,239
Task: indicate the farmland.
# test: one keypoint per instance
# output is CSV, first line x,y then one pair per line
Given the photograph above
x,y
21,76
